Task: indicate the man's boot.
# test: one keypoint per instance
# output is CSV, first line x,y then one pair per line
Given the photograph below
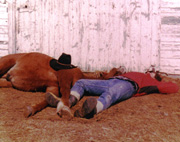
x,y
72,100
88,109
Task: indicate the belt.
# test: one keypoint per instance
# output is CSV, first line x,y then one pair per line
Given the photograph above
x,y
127,79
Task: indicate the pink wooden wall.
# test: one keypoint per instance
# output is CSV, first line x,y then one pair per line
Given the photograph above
x,y
99,34
170,36
3,28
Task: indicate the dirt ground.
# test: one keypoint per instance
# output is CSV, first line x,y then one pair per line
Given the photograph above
x,y
153,117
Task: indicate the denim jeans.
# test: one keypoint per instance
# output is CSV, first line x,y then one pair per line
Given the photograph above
x,y
109,91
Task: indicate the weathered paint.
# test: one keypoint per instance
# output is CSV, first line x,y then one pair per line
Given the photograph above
x,y
3,28
99,34
170,36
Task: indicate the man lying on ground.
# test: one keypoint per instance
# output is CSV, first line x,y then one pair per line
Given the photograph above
x,y
113,90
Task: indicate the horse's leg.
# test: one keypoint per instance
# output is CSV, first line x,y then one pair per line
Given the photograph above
x,y
63,108
4,83
31,110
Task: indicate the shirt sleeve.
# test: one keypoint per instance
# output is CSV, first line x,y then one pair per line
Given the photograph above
x,y
168,87
162,87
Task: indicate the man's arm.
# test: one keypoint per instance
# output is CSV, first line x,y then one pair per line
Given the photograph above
x,y
162,87
168,87
112,72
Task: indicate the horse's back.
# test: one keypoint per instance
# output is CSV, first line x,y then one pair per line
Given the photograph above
x,y
32,72
8,61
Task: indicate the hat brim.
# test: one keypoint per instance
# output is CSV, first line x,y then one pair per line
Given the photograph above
x,y
59,66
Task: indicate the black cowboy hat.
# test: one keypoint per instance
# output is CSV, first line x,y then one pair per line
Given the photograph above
x,y
64,62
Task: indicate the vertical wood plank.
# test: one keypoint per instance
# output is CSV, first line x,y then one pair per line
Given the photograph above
x,y
65,30
113,35
84,25
12,27
46,27
155,31
104,34
92,41
57,23
125,20
145,34
134,36
59,29
75,32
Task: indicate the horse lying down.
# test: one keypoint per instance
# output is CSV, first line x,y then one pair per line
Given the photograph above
x,y
40,72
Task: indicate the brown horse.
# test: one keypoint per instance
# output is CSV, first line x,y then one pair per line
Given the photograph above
x,y
32,72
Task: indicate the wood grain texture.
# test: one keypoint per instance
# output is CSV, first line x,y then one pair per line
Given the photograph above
x,y
100,34
3,29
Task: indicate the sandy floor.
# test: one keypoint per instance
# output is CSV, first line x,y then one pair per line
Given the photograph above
x,y
154,117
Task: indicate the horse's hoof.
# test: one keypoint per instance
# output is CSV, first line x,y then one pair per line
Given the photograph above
x,y
66,113
28,111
